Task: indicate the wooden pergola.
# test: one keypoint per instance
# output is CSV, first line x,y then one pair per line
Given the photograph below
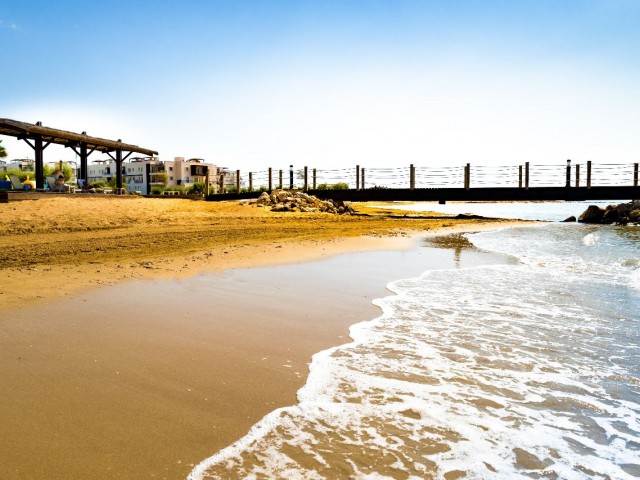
x,y
39,138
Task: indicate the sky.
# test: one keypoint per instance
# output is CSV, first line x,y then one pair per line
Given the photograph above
x,y
330,84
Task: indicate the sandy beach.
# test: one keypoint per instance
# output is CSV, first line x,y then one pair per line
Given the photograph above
x,y
136,340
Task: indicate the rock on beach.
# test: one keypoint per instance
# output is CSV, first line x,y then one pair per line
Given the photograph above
x,y
622,214
294,201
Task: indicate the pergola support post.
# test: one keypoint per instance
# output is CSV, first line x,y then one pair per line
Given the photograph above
x,y
39,154
84,156
118,170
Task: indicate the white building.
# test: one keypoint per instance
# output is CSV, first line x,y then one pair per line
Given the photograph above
x,y
141,174
20,164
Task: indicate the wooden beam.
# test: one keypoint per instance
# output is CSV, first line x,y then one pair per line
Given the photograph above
x,y
38,150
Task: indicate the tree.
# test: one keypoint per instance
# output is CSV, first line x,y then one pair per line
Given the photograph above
x,y
162,178
196,189
3,151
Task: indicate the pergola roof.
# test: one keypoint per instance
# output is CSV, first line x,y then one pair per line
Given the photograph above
x,y
22,131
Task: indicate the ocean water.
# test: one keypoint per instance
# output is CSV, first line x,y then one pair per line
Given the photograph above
x,y
525,369
549,211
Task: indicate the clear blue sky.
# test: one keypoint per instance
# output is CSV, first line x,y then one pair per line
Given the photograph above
x,y
252,84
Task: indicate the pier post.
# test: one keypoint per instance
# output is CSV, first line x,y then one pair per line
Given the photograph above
x,y
221,183
467,176
577,175
412,177
306,178
362,179
635,174
519,176
357,177
290,177
526,175
589,174
568,180
237,181
206,182
270,179
251,181
280,184
314,178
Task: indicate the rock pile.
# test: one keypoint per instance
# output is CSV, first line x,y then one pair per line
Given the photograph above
x,y
621,214
294,201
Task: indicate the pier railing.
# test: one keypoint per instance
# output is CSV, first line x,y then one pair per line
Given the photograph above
x,y
524,176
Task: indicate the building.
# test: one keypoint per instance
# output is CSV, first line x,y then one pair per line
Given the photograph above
x,y
142,174
19,164
226,180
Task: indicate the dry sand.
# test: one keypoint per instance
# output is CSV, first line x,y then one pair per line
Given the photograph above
x,y
144,379
101,239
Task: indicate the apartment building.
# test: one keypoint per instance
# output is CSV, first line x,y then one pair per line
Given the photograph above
x,y
141,174
20,164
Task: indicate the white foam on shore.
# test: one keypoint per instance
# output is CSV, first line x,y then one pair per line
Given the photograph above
x,y
497,371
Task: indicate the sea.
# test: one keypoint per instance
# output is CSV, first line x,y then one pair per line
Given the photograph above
x,y
527,367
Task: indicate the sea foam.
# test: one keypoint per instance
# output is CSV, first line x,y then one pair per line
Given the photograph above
x,y
500,371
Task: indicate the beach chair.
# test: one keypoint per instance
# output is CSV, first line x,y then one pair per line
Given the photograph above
x,y
15,182
51,181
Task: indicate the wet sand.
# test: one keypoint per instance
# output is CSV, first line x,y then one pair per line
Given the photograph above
x,y
65,244
146,378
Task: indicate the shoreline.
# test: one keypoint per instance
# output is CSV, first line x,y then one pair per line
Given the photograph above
x,y
443,249
179,365
44,255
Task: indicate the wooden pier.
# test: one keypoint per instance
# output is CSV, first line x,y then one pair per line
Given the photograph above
x,y
467,183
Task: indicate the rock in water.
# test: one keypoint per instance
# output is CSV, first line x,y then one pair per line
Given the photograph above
x,y
621,214
593,214
570,219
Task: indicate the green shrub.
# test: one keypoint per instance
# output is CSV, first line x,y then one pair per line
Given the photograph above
x,y
156,190
339,186
111,183
196,189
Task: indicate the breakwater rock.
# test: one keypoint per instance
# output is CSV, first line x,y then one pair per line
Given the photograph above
x,y
288,201
620,214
